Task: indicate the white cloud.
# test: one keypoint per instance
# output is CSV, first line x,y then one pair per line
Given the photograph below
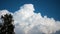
x,y
28,22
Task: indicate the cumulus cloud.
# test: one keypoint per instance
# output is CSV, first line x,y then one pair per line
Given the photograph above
x,y
28,22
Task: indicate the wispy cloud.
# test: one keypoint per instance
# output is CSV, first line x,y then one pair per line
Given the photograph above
x,y
28,22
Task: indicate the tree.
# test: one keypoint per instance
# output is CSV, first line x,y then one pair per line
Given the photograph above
x,y
0,27
7,27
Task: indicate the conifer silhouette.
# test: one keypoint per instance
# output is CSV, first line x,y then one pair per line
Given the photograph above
x,y
7,27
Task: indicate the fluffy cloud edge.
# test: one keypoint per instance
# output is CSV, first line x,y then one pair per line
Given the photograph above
x,y
25,21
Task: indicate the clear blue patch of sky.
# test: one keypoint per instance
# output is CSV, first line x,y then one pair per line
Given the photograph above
x,y
51,8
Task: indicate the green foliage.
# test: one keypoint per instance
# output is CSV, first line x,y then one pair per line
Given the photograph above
x,y
7,27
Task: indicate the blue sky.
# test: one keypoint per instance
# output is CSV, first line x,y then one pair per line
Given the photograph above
x,y
51,8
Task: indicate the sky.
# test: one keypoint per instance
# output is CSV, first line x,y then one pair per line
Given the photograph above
x,y
49,8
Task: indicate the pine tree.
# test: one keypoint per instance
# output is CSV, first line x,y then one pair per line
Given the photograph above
x,y
7,27
0,27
